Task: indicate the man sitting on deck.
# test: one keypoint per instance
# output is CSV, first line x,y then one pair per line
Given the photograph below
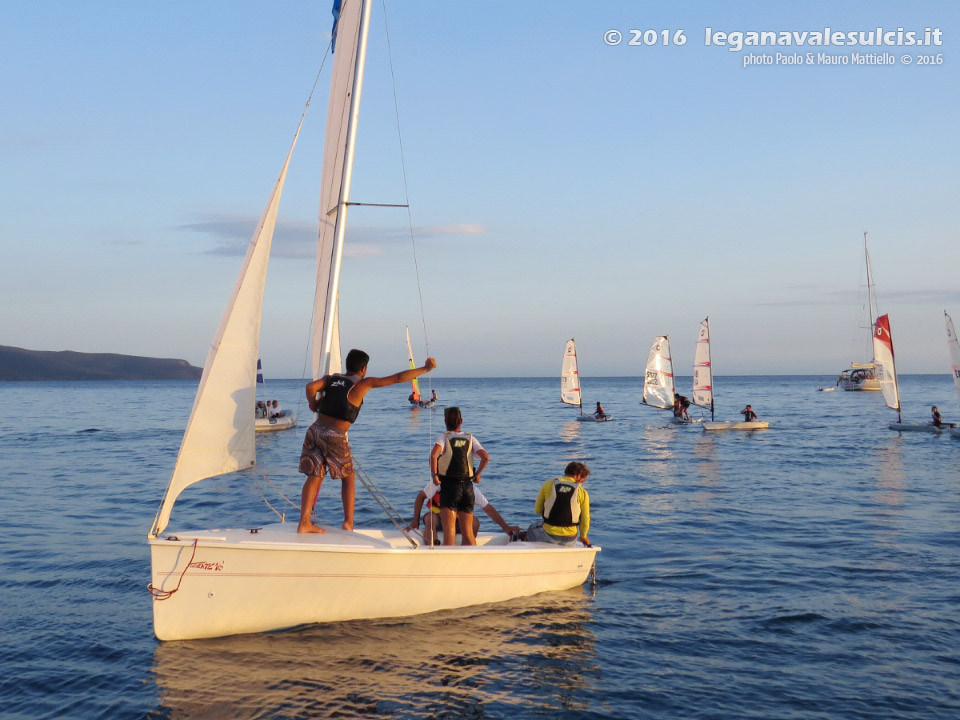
x,y
565,507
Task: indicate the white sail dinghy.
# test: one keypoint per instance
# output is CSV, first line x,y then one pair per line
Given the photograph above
x,y
887,375
703,386
570,384
210,583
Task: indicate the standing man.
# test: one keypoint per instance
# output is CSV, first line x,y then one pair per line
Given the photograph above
x,y
325,447
451,467
564,505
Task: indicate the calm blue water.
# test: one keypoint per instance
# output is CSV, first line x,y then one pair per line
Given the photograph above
x,y
810,571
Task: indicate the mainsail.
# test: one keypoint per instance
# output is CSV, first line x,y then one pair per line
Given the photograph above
x,y
886,370
954,346
702,369
414,384
350,34
570,376
658,384
220,432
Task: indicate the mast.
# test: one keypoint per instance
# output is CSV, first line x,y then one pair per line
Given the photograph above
x,y
333,288
871,301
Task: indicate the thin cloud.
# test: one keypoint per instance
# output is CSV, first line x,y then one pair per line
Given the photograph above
x,y
295,239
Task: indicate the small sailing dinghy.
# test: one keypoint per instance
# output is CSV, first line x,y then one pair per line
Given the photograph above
x,y
211,583
416,399
954,347
263,420
658,383
570,384
703,386
886,367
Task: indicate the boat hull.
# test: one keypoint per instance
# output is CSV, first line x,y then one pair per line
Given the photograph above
x,y
923,427
591,418
239,581
730,425
284,422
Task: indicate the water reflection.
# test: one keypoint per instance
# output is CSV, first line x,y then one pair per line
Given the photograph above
x,y
570,431
465,663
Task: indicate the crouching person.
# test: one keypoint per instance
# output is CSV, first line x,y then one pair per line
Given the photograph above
x,y
564,505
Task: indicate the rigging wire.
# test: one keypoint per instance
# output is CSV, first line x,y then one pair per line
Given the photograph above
x,y
406,196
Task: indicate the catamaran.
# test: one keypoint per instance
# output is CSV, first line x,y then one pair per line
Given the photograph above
x,y
210,583
954,347
570,384
887,375
862,375
703,386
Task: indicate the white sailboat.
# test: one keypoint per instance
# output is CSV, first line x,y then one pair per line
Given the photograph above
x,y
416,399
210,583
658,382
886,367
570,384
862,375
953,346
263,421
703,386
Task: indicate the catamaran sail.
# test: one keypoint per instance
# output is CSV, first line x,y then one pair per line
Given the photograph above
x,y
703,369
658,383
886,369
211,583
414,384
570,376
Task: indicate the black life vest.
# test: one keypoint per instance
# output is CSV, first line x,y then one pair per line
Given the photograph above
x,y
456,460
562,508
334,402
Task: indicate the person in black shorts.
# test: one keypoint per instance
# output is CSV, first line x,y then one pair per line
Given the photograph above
x,y
451,467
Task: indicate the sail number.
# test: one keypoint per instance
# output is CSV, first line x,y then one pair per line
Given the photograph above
x,y
647,38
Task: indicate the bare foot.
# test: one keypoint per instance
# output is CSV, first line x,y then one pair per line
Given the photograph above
x,y
347,525
309,528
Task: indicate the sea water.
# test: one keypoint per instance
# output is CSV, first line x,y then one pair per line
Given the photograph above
x,y
808,571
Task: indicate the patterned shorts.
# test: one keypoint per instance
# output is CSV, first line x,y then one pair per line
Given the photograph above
x,y
325,448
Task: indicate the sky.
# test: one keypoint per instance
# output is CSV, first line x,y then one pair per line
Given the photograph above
x,y
560,184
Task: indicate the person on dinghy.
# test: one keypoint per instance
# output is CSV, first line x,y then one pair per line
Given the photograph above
x,y
451,467
564,506
937,419
337,400
433,525
599,414
748,414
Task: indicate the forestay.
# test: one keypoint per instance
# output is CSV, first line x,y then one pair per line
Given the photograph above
x,y
702,368
886,371
570,375
658,383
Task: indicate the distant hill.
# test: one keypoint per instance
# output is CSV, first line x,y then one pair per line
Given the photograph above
x,y
19,364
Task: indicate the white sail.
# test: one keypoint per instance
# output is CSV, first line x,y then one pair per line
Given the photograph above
x,y
886,370
413,383
702,368
570,375
220,432
658,383
342,117
954,346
